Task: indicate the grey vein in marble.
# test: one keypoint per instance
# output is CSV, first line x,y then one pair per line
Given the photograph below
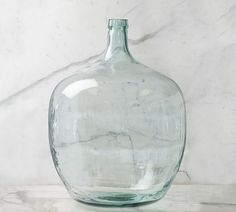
x,y
80,63
131,10
180,3
150,35
228,12
186,174
47,77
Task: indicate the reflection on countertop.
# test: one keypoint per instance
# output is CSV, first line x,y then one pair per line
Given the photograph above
x,y
54,198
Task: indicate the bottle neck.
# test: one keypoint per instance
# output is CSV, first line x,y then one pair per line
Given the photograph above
x,y
117,46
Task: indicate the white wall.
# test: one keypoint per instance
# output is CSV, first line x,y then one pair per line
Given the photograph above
x,y
193,42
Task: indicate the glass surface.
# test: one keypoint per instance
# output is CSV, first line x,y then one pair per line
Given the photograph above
x,y
117,131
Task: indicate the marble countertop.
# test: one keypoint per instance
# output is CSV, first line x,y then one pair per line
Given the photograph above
x,y
54,198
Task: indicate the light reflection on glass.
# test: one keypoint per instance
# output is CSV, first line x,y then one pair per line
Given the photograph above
x,y
75,88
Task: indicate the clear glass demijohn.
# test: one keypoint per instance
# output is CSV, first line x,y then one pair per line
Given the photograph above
x,y
117,131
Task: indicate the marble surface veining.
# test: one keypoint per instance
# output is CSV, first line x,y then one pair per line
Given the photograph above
x,y
193,42
180,198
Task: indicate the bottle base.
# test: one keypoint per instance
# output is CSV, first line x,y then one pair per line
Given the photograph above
x,y
118,199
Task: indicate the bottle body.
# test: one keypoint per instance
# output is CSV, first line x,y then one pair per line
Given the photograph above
x,y
117,133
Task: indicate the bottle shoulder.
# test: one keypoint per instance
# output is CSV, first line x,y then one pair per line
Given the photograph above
x,y
126,76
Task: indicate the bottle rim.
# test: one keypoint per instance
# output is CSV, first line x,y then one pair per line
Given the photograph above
x,y
117,23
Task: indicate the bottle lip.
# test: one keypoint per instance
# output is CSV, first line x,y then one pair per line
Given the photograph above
x,y
117,23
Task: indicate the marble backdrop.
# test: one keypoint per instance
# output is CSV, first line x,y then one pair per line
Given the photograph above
x,y
193,42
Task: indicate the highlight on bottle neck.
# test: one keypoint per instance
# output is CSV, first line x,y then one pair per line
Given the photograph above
x,y
117,45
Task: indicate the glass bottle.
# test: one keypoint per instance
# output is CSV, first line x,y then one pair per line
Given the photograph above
x,y
117,131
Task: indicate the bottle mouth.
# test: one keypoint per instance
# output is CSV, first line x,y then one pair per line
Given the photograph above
x,y
117,23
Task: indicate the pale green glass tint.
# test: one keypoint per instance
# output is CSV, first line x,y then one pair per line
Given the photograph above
x,y
117,131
